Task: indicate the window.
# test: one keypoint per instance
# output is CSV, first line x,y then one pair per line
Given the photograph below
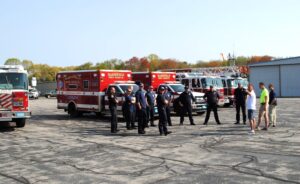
x,y
118,91
194,84
185,82
72,86
85,84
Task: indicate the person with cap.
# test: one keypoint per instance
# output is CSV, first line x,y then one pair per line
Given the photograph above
x,y
161,106
212,98
185,101
168,97
240,96
129,109
150,96
141,106
112,100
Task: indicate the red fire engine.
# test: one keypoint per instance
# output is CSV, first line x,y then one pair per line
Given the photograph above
x,y
168,80
14,95
201,83
85,90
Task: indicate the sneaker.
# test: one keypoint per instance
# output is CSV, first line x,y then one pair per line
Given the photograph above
x,y
252,132
274,125
265,128
257,128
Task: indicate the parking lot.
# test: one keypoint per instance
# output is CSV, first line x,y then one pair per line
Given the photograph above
x,y
52,148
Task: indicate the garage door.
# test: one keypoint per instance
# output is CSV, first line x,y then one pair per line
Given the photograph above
x,y
290,85
265,74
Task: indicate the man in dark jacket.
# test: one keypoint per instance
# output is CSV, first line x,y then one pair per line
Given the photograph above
x,y
150,96
185,101
161,106
129,109
141,106
168,97
112,100
212,98
240,96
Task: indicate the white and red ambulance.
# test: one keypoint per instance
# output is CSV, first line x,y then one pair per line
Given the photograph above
x,y
86,90
14,105
168,80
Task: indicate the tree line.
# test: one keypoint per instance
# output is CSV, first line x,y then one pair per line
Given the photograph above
x,y
44,72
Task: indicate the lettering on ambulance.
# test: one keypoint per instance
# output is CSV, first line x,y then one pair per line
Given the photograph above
x,y
116,75
164,76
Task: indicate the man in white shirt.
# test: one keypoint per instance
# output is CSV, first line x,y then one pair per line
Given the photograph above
x,y
251,107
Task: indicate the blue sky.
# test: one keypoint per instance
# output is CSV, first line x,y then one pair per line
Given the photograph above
x,y
71,32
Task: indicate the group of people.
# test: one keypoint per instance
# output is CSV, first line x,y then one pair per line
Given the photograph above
x,y
141,105
246,98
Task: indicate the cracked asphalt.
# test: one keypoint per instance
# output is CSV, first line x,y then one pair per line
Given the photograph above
x,y
52,148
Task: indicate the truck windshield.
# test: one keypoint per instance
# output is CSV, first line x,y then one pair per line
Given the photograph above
x,y
124,87
177,87
218,83
231,83
206,82
13,81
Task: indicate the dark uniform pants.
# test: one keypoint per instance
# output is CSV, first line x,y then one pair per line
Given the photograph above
x,y
129,118
162,125
238,107
184,110
168,112
113,119
150,114
142,120
212,107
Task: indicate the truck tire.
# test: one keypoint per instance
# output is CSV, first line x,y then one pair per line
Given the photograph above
x,y
20,122
72,111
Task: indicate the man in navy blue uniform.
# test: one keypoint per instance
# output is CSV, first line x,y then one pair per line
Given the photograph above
x,y
161,106
212,98
129,109
141,106
112,100
168,97
150,96
185,100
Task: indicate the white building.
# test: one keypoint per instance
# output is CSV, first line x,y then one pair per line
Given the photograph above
x,y
283,73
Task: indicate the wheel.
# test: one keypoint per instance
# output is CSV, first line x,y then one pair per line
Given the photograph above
x,y
20,122
72,111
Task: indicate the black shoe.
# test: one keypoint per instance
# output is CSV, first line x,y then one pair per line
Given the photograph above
x,y
133,127
193,124
147,126
265,129
219,123
237,123
142,132
168,132
115,131
153,125
204,123
244,122
274,125
170,125
129,128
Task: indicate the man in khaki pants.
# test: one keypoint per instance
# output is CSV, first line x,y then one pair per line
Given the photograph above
x,y
272,106
264,103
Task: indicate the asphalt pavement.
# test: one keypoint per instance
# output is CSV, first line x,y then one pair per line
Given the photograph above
x,y
53,148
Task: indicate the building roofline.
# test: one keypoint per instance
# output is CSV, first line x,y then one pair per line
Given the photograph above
x,y
275,60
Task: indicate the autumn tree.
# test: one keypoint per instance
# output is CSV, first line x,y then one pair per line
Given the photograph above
x,y
13,61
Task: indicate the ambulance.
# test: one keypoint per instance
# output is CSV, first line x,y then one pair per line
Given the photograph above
x,y
168,80
14,105
86,90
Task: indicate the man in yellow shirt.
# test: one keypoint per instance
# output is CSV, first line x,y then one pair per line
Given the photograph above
x,y
264,103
